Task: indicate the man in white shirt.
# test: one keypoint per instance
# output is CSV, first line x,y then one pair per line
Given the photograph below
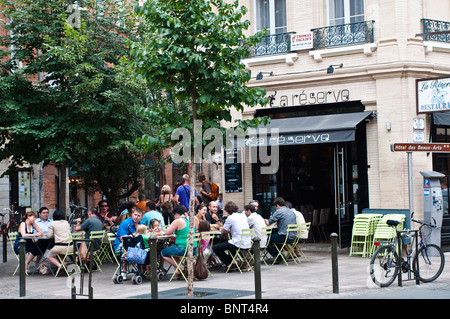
x,y
234,224
43,221
303,234
257,222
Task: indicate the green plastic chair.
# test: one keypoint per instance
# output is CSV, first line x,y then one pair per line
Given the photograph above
x,y
364,226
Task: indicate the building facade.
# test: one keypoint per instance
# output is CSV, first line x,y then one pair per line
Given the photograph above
x,y
342,77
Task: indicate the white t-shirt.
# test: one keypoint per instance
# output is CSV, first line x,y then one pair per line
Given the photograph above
x,y
257,222
235,223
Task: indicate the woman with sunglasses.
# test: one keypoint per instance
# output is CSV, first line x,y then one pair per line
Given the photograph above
x,y
104,215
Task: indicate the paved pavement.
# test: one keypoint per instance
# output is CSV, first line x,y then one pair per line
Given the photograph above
x,y
311,279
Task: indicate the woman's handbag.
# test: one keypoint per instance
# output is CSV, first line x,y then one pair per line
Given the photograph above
x,y
200,267
136,254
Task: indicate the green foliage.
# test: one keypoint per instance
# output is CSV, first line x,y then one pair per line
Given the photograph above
x,y
193,51
66,94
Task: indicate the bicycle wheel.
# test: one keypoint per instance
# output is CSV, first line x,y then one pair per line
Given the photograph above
x,y
431,262
383,266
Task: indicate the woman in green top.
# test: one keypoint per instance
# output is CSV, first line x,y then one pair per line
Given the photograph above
x,y
179,227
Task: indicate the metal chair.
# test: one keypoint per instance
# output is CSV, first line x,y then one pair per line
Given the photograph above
x,y
242,256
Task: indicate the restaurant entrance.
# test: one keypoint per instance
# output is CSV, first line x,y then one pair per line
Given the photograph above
x,y
315,176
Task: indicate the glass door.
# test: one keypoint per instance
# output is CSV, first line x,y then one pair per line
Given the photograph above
x,y
343,194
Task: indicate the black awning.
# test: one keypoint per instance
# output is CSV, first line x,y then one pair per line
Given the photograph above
x,y
331,128
441,118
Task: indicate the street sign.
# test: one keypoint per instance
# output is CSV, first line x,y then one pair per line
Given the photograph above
x,y
421,147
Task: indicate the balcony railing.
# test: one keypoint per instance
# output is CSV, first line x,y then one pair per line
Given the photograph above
x,y
343,35
272,44
435,30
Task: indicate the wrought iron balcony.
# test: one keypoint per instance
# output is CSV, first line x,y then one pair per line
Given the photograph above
x,y
272,44
435,30
343,35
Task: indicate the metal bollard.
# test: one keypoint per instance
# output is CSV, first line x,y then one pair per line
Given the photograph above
x,y
153,266
334,262
5,235
22,274
257,266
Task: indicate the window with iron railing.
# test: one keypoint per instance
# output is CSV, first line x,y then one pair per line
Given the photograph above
x,y
343,35
435,30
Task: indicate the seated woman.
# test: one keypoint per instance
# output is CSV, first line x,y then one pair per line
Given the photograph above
x,y
29,228
200,212
59,229
179,227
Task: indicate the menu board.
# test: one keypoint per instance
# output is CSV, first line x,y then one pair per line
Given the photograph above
x,y
233,171
24,189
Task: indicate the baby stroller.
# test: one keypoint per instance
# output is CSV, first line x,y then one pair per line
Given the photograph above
x,y
129,266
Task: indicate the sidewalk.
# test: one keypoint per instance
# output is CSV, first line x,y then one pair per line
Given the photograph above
x,y
311,279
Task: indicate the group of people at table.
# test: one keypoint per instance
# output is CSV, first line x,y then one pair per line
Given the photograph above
x,y
206,219
130,223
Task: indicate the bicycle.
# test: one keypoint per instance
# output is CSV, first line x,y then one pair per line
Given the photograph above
x,y
427,263
76,212
12,224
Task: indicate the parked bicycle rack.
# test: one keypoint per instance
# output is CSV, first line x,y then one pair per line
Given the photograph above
x,y
400,259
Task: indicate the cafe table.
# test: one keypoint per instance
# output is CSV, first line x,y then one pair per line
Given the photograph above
x,y
42,242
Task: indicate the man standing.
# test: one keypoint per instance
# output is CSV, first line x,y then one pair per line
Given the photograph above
x,y
151,213
183,193
206,190
257,222
283,217
43,221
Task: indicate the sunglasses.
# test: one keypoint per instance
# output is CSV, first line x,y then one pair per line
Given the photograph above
x,y
104,206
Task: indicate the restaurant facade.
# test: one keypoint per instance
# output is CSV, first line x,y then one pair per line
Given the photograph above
x,y
342,77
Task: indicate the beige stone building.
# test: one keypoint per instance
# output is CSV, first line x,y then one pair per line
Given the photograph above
x,y
342,75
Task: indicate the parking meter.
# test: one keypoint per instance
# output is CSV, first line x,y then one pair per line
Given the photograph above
x,y
433,206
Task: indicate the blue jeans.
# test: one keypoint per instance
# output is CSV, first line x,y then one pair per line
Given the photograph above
x,y
175,250
276,238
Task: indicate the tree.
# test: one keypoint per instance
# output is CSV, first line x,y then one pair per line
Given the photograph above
x,y
192,49
66,93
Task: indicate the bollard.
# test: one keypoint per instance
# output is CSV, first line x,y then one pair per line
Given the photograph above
x,y
153,266
5,238
257,266
22,274
334,263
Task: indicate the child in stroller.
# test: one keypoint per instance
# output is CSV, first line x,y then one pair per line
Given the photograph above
x,y
129,266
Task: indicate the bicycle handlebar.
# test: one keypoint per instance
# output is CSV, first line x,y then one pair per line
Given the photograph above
x,y
423,223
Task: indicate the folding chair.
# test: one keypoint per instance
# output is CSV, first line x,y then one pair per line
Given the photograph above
x,y
12,239
183,259
242,255
288,246
96,234
69,252
265,231
209,235
104,252
303,227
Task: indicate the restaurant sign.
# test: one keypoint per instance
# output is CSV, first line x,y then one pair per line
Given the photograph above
x,y
433,95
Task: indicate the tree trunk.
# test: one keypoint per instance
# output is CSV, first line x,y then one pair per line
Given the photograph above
x,y
190,259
